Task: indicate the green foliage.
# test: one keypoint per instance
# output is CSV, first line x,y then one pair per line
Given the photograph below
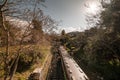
x,y
63,33
110,17
99,51
99,47
28,57
20,78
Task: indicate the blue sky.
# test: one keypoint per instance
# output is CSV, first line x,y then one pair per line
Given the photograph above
x,y
69,13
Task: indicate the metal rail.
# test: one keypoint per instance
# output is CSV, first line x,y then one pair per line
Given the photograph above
x,y
73,71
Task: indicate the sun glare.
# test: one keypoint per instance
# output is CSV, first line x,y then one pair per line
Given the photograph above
x,y
92,8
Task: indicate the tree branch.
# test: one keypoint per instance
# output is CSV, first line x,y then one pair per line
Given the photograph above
x,y
1,6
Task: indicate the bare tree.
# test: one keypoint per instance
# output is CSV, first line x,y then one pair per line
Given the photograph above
x,y
35,20
6,57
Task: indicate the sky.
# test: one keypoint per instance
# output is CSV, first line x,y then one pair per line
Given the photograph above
x,y
70,14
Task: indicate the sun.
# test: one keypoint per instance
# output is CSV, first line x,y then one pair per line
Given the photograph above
x,y
92,8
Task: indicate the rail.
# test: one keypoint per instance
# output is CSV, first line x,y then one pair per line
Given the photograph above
x,y
72,69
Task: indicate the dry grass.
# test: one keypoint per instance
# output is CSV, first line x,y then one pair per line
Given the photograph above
x,y
43,48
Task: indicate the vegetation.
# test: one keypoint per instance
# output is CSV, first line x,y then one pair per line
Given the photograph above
x,y
99,47
22,44
31,57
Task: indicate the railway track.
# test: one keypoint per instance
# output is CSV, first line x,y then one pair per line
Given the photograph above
x,y
56,71
74,72
71,68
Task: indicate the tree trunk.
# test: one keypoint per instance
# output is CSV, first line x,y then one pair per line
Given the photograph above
x,y
14,67
3,27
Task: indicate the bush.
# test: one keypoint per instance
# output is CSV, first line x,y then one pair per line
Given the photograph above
x,y
28,56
